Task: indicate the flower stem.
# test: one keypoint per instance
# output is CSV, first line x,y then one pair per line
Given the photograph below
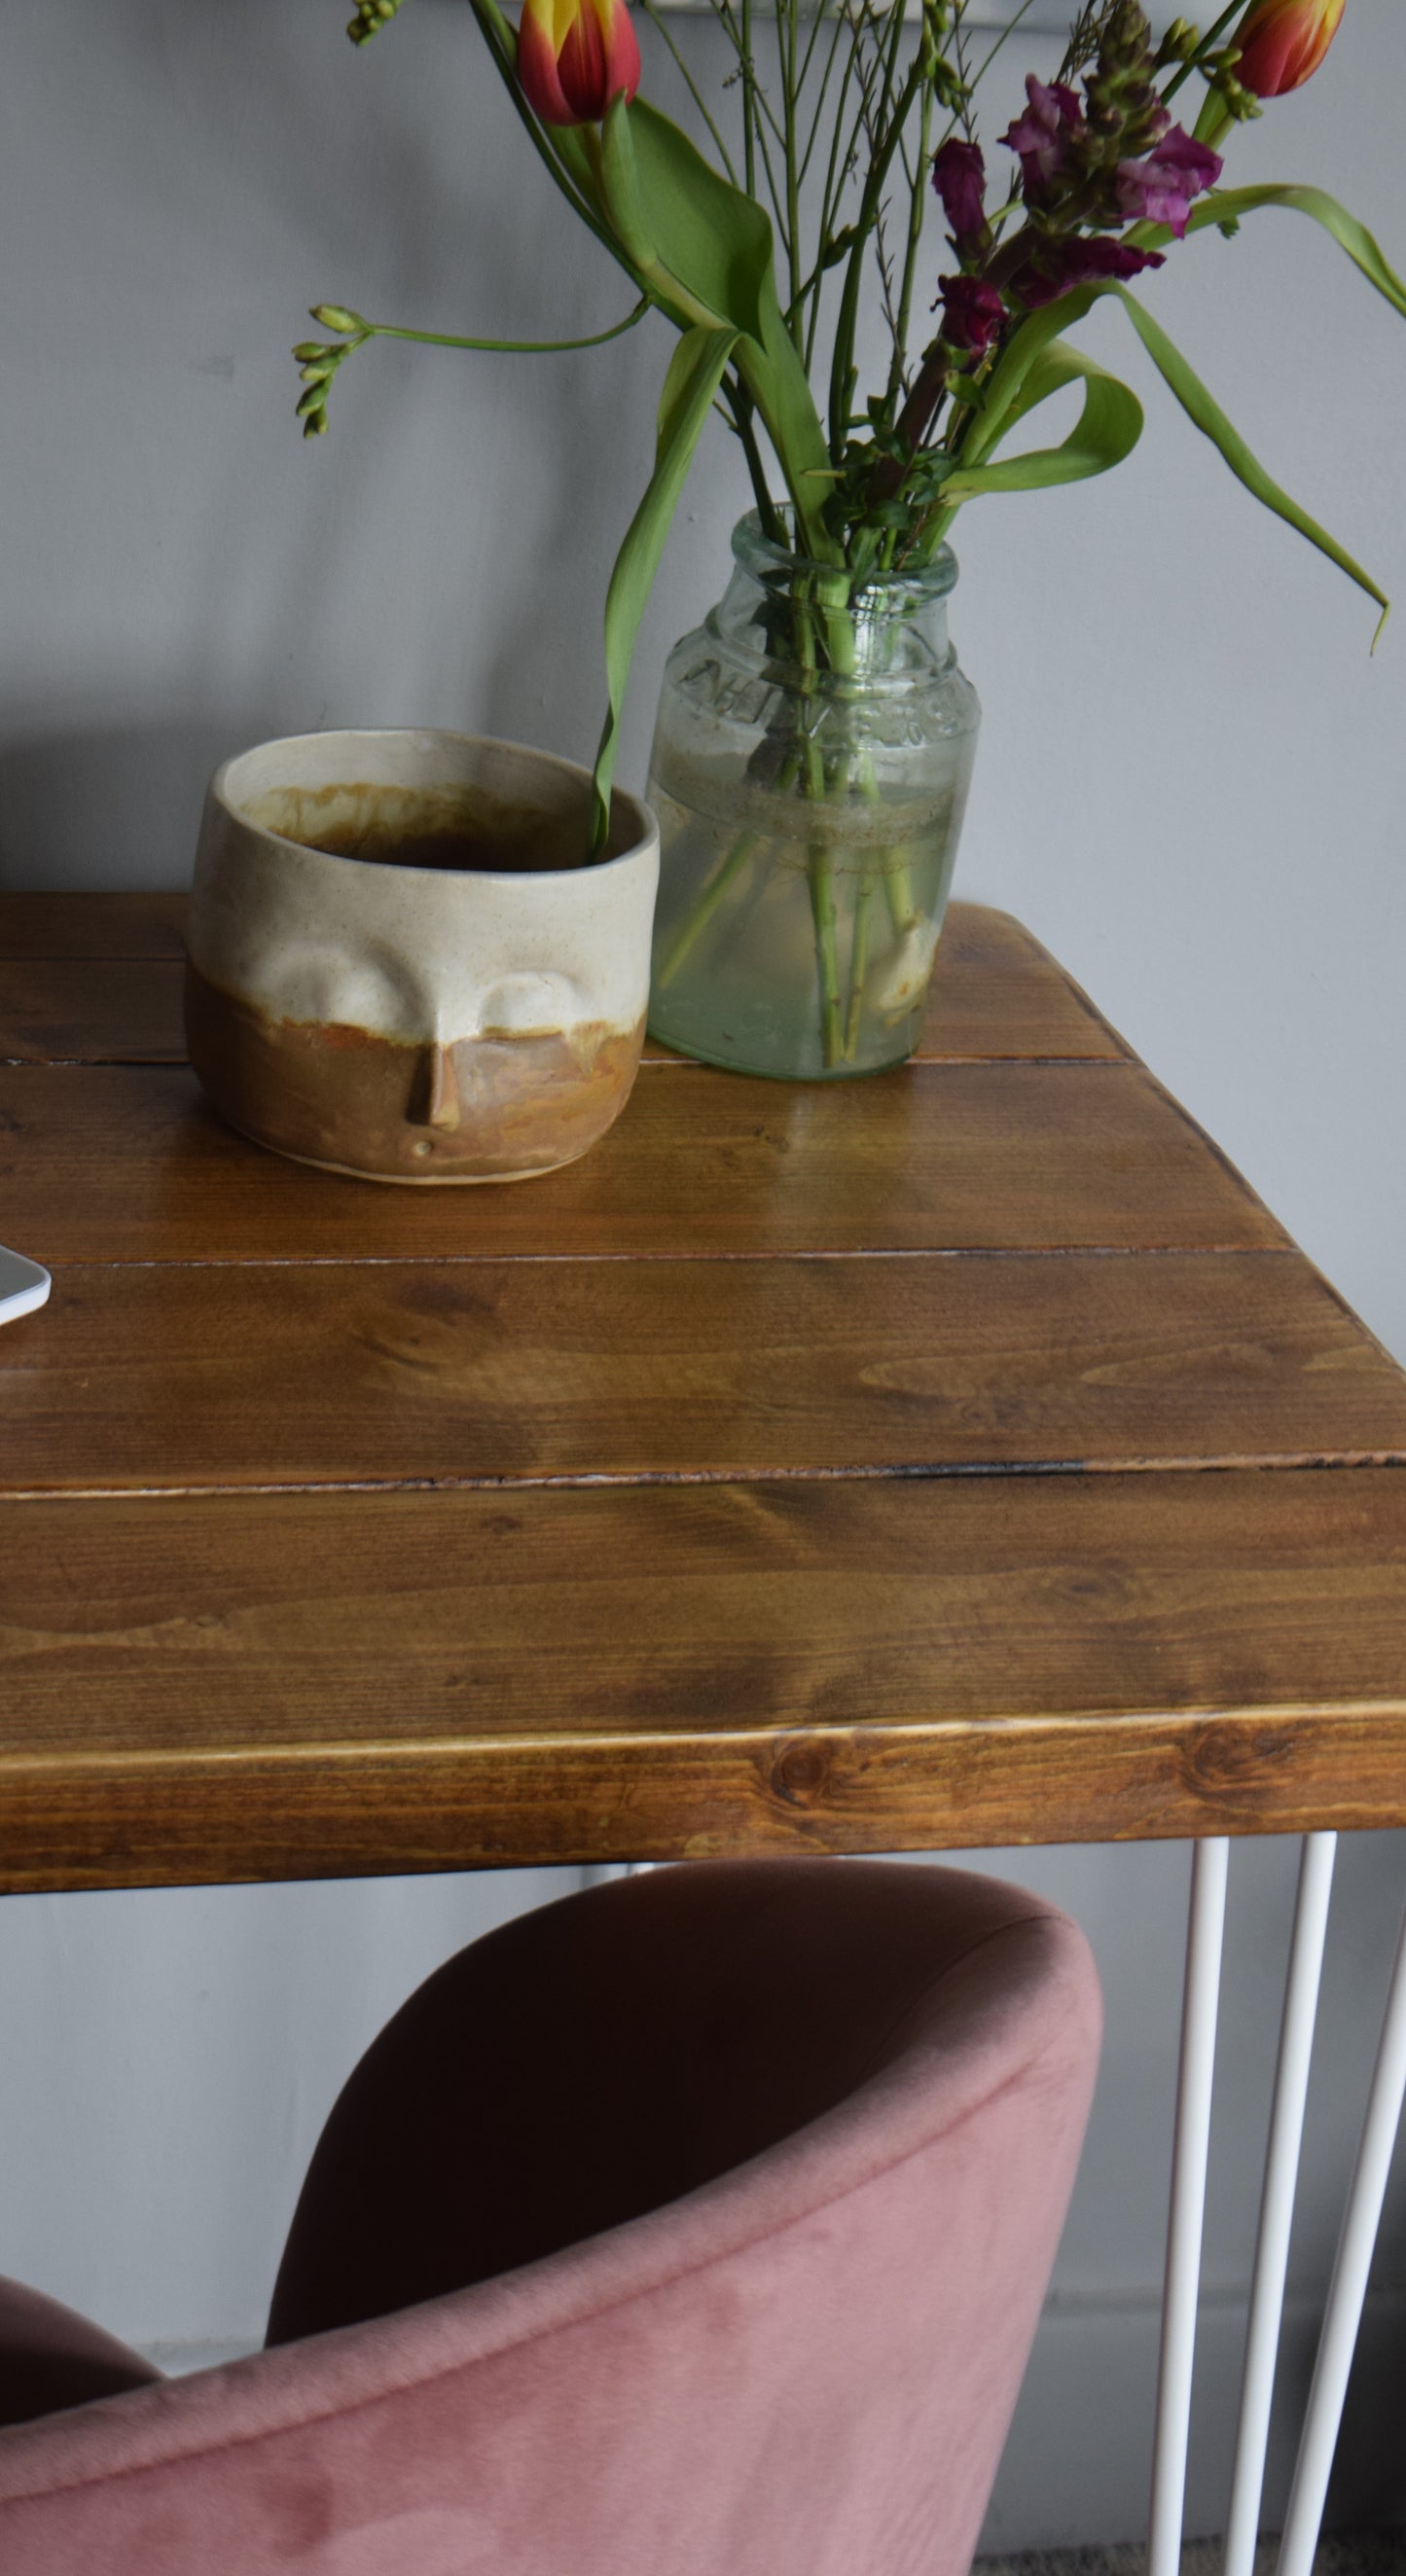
x,y
822,904
858,963
719,885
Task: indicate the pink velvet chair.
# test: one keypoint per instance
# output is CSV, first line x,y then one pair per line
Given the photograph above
x,y
695,2226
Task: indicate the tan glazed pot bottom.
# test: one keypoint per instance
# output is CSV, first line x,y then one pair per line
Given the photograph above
x,y
493,1108
424,988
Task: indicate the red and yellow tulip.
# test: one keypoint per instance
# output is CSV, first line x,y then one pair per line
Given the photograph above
x,y
1282,43
574,57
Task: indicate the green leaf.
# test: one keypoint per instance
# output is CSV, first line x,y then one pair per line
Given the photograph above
x,y
624,197
1023,351
712,239
1005,390
1226,206
779,386
1107,430
711,255
695,373
1201,408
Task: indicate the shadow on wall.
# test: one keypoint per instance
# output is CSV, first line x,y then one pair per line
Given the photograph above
x,y
112,805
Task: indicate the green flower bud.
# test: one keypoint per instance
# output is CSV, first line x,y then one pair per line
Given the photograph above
x,y
1179,43
371,15
335,317
315,424
320,374
310,350
315,399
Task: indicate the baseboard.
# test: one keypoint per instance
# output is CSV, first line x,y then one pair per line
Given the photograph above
x,y
1078,2463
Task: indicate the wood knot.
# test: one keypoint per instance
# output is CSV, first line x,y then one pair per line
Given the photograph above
x,y
800,1772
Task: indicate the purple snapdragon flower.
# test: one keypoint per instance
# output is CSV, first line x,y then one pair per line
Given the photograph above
x,y
1159,188
1045,136
1078,260
972,312
959,176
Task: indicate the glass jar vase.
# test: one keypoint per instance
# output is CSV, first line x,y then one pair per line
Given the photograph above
x,y
810,770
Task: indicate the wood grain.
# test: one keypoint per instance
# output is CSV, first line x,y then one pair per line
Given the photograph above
x,y
689,1499
100,925
168,1378
125,1164
996,993
237,1686
91,1010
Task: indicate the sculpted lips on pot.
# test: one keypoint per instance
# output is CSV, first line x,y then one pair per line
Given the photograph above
x,y
500,1103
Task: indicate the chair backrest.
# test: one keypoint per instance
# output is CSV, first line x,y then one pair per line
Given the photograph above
x,y
696,2226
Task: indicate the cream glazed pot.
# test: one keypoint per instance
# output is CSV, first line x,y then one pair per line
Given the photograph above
x,y
397,965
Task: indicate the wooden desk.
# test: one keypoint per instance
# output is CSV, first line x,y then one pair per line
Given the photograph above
x,y
961,1456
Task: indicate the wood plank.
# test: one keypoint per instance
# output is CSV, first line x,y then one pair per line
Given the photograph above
x,y
996,994
91,1010
101,925
120,1164
236,1687
168,1378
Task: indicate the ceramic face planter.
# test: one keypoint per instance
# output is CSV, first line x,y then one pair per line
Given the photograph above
x,y
397,966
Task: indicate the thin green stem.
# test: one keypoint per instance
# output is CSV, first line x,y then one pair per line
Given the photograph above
x,y
714,894
553,154
916,213
695,93
827,949
1198,58
822,866
843,361
740,40
817,112
749,106
741,410
984,66
858,963
818,21
777,202
829,201
514,348
786,37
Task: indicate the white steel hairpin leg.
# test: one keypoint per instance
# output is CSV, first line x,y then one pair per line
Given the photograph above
x,y
1277,2204
1349,2283
1188,2203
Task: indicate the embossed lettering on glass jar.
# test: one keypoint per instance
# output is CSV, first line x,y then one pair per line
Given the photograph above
x,y
401,965
810,771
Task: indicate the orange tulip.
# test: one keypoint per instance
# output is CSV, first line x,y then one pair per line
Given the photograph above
x,y
574,57
1282,43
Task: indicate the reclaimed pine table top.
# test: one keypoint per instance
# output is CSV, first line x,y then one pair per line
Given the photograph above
x,y
962,1456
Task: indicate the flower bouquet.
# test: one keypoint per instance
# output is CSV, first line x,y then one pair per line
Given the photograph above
x,y
816,738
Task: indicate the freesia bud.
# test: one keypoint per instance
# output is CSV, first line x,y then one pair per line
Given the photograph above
x,y
1282,42
335,317
574,57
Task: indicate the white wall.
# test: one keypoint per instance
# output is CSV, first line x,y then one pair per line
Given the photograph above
x,y
1191,783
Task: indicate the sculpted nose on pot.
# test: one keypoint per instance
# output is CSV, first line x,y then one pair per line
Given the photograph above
x,y
436,1100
